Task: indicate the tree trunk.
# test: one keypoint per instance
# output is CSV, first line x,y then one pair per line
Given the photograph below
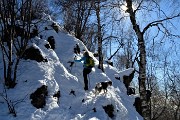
x,y
97,7
142,61
9,81
8,78
10,52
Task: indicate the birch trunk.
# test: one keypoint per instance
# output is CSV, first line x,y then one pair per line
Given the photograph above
x,y
97,7
142,61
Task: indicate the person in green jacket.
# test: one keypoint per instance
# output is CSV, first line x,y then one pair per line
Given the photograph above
x,y
87,69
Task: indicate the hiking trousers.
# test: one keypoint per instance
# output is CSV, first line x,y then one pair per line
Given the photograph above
x,y
86,71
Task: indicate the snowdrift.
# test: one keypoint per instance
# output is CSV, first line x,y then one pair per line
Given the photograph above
x,y
57,75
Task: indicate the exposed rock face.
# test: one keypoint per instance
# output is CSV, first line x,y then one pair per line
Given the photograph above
x,y
48,46
131,91
33,53
109,109
137,104
55,27
51,42
39,97
57,95
34,32
127,79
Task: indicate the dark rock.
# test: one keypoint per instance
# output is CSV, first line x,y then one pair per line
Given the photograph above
x,y
47,46
72,92
109,109
39,97
58,95
55,27
34,33
51,42
127,79
33,53
46,28
94,109
131,91
137,104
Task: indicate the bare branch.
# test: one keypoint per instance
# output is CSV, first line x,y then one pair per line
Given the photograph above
x,y
138,7
156,23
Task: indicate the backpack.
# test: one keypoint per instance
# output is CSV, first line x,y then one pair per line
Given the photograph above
x,y
89,62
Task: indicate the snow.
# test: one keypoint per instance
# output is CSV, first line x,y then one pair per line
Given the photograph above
x,y
58,75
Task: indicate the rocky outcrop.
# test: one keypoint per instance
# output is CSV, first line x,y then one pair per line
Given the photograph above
x,y
33,53
39,97
127,79
51,42
109,109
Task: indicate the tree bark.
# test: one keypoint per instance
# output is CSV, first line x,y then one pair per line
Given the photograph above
x,y
97,7
142,61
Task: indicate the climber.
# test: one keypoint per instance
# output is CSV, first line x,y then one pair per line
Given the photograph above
x,y
88,65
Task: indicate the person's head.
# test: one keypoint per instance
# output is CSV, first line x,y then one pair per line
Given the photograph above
x,y
86,54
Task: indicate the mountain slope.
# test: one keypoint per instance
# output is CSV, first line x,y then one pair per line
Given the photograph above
x,y
59,76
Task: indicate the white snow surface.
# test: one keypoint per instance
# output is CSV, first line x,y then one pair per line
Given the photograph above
x,y
58,75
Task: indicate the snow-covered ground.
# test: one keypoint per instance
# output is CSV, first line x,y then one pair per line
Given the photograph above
x,y
58,75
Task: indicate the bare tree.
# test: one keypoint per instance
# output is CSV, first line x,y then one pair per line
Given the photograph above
x,y
13,47
142,50
11,103
8,19
99,34
76,16
38,8
174,93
